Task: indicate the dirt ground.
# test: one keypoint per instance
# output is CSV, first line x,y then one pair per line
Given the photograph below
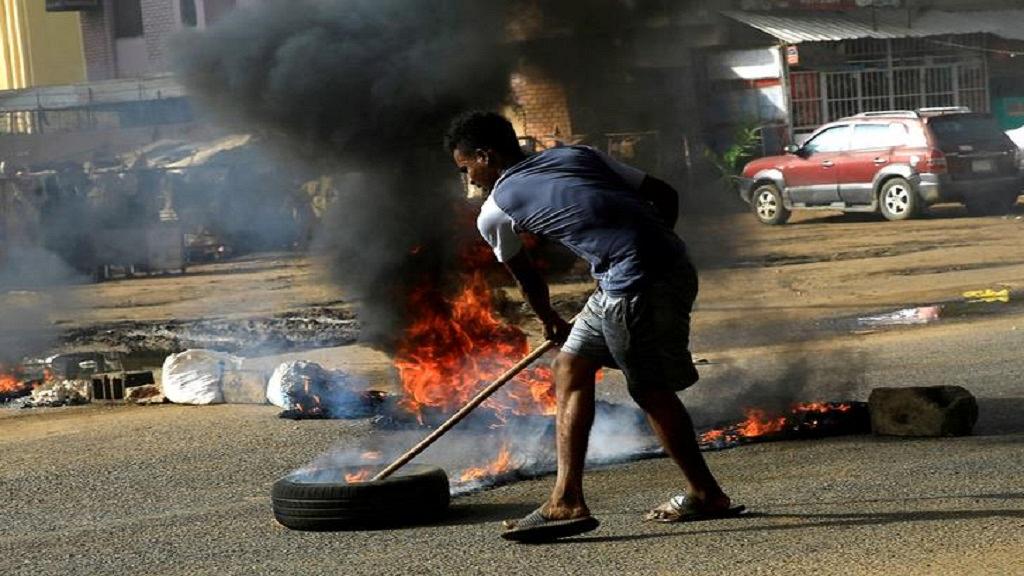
x,y
183,490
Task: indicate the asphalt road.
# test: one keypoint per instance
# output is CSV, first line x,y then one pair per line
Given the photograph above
x,y
185,490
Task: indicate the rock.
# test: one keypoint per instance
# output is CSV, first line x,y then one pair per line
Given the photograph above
x,y
146,394
923,411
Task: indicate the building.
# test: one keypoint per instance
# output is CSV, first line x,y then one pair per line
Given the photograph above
x,y
659,82
130,38
793,70
38,47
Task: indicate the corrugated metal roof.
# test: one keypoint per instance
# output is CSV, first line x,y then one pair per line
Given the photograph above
x,y
794,28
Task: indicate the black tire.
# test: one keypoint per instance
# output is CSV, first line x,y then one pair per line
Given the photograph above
x,y
898,200
766,201
992,204
414,495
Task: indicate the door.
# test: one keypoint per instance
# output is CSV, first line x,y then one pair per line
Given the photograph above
x,y
870,151
811,176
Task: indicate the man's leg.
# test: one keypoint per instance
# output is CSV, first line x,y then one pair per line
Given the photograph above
x,y
672,423
574,386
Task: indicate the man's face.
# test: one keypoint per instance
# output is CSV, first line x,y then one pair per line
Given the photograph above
x,y
481,167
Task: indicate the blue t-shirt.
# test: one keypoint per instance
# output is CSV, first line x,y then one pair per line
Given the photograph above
x,y
587,201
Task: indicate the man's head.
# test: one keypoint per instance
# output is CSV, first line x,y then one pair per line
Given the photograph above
x,y
483,145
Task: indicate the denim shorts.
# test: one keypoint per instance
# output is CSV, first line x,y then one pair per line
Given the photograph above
x,y
646,334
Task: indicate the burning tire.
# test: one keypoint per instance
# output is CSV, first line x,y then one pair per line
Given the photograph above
x,y
324,500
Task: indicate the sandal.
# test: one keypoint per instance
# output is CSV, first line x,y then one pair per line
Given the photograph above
x,y
684,509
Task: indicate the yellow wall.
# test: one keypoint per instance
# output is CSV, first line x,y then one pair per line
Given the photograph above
x,y
37,47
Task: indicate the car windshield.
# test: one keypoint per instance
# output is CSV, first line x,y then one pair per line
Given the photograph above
x,y
964,129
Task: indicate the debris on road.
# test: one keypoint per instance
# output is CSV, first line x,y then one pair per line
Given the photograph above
x,y
145,394
906,316
923,411
307,390
54,393
987,296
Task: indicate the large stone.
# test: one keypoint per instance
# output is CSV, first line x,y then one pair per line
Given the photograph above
x,y
145,394
923,411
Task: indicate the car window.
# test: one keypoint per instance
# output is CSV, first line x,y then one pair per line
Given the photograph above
x,y
833,139
869,136
964,128
875,136
898,135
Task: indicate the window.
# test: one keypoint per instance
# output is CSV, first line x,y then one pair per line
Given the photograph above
x,y
833,139
127,18
216,9
188,13
870,136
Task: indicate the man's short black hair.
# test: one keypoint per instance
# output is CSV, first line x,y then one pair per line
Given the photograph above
x,y
480,130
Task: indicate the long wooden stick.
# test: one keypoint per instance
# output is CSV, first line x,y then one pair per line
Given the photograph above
x,y
464,411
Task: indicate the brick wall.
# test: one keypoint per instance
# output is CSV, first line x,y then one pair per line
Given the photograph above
x,y
541,106
98,43
160,22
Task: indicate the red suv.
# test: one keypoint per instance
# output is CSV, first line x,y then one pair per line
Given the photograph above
x,y
895,163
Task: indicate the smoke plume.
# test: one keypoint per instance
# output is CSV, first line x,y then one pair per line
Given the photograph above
x,y
364,89
33,284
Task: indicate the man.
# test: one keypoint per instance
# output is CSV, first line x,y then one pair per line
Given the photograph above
x,y
621,221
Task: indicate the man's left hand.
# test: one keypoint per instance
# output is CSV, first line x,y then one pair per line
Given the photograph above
x,y
555,328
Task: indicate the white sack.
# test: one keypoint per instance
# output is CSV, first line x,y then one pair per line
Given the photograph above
x,y
194,376
291,374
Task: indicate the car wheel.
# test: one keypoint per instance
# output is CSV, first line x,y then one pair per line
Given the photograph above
x,y
992,204
323,500
767,205
898,200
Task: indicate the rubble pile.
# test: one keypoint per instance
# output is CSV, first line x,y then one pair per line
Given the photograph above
x,y
314,328
55,393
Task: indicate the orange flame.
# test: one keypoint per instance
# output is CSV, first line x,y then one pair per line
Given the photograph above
x,y
758,423
358,476
500,465
9,383
820,407
456,347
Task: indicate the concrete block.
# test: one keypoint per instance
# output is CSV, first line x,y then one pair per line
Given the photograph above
x,y
923,411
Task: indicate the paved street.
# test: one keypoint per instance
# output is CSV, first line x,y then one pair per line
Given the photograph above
x,y
182,490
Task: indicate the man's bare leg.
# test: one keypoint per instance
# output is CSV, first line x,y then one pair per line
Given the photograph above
x,y
672,423
574,386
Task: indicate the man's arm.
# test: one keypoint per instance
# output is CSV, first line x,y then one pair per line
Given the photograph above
x,y
535,291
663,196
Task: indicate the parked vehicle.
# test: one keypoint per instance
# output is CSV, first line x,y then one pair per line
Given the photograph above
x,y
895,162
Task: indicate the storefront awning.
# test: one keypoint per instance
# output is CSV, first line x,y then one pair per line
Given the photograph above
x,y
794,28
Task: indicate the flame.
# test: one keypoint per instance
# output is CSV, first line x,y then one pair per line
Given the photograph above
x,y
820,407
501,464
457,346
9,383
358,476
758,423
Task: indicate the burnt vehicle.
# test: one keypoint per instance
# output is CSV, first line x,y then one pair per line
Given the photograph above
x,y
896,163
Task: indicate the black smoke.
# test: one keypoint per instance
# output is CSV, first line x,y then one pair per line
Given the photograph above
x,y
363,89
